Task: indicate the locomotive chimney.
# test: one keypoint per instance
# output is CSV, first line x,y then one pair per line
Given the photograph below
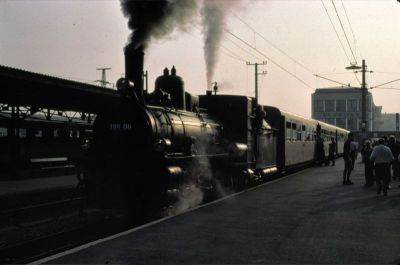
x,y
134,58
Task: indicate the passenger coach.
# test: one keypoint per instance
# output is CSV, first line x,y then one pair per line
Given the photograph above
x,y
296,137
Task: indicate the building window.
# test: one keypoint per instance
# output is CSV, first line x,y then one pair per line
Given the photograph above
x,y
341,105
329,105
368,107
352,105
352,124
341,122
319,105
330,121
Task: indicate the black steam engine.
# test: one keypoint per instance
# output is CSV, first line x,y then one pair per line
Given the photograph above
x,y
150,146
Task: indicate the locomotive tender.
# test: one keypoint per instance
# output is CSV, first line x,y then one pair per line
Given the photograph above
x,y
152,145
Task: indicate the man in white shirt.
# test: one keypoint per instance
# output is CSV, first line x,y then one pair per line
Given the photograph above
x,y
382,156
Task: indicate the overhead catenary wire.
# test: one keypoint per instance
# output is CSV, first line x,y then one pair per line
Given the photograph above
x,y
243,49
390,88
344,31
225,51
272,44
231,54
337,34
340,83
285,53
339,39
268,58
377,86
351,29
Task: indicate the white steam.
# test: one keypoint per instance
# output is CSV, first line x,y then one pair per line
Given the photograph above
x,y
214,14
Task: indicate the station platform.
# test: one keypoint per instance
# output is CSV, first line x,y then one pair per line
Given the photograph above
x,y
307,217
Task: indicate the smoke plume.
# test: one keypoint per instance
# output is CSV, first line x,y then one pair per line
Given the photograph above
x,y
213,15
156,18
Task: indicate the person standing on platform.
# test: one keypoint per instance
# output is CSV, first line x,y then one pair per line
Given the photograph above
x,y
398,160
368,164
348,167
353,153
382,156
394,147
332,149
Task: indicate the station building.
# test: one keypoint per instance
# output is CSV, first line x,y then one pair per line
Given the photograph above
x,y
341,106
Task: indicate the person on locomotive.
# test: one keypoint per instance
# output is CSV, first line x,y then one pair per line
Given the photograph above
x,y
347,156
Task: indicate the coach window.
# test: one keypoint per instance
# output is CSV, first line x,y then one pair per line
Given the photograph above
x,y
303,132
3,132
299,138
288,131
38,133
294,133
22,133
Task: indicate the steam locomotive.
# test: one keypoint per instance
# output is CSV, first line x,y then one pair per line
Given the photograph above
x,y
152,146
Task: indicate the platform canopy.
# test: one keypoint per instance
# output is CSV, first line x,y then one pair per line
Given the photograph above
x,y
23,88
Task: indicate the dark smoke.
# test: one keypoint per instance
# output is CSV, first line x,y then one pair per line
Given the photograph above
x,y
156,18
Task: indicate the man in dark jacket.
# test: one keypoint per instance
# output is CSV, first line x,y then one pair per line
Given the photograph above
x,y
348,164
394,147
369,165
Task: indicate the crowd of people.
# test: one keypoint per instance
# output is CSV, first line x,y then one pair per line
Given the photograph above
x,y
381,161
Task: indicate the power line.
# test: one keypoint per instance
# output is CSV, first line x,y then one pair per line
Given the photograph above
x,y
272,61
386,83
337,34
351,29
389,73
391,88
337,82
231,54
240,47
273,45
340,40
344,31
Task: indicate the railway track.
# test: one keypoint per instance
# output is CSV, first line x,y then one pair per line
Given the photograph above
x,y
83,226
85,230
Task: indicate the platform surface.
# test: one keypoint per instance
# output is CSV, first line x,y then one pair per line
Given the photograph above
x,y
309,217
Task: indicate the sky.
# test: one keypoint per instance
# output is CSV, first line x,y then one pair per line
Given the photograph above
x,y
71,38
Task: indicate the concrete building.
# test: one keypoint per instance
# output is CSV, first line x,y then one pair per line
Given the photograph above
x,y
341,106
388,122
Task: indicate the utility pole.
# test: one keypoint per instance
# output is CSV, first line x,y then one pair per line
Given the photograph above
x,y
103,82
364,122
256,76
